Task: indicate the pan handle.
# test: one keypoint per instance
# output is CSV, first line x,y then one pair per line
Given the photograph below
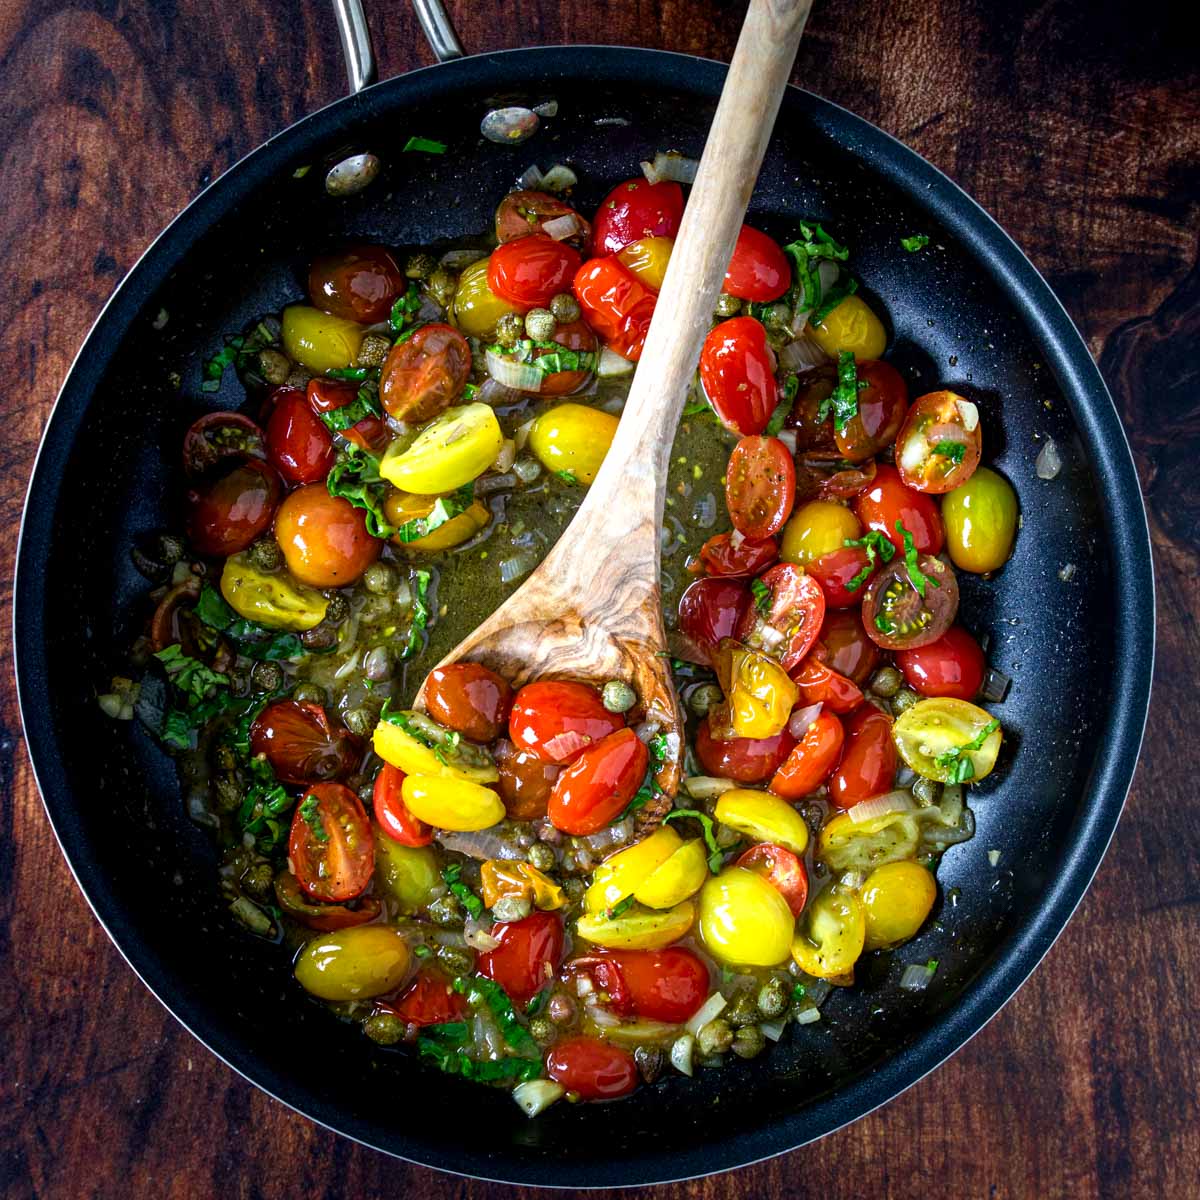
x,y
356,37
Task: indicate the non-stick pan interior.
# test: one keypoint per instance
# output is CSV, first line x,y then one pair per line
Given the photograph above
x,y
109,472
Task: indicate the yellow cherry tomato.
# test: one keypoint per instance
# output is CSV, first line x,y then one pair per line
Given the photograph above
x,y
476,308
817,528
638,928
981,522
896,899
402,749
354,964
401,507
832,935
621,874
764,816
851,326
681,876
647,258
452,450
846,846
501,878
744,921
952,741
759,695
573,439
408,873
451,803
318,341
277,601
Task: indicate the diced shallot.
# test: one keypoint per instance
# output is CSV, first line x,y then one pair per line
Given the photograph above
x,y
561,228
523,377
672,167
1048,462
881,806
712,1007
802,718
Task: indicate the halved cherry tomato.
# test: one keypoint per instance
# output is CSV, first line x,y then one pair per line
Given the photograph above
x,y
592,1069
812,760
532,270
428,1000
324,538
952,666
722,555
574,336
598,785
868,763
844,647
469,698
737,371
360,284
881,408
558,721
899,615
782,870
225,514
323,917
712,609
616,304
746,760
525,212
820,685
837,570
298,444
759,269
393,814
527,957
220,436
525,781
327,395
938,449
826,475
330,846
666,985
760,486
887,501
795,608
636,209
301,745
813,389
425,374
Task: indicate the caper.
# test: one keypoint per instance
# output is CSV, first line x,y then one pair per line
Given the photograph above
x,y
320,637
266,677
170,548
777,318
574,887
384,1027
308,693
561,1008
509,329
227,793
224,757
618,696
273,366
380,577
512,908
886,682
742,1011
446,910
773,998
903,700
373,351
442,285
359,721
714,1038
749,1042
265,555
337,609
649,1061
298,378
420,265
259,880
456,960
703,698
540,324
543,1030
541,856
565,308
727,305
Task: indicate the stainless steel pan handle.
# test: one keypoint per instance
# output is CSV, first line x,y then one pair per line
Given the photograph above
x,y
356,37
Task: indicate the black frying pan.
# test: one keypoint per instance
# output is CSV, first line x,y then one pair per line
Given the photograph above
x,y
970,312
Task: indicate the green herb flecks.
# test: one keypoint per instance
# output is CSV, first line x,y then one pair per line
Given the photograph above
x,y
912,563
465,896
568,477
875,544
420,612
954,451
445,508
252,640
715,853
365,404
957,760
918,241
762,596
238,351
799,992
355,477
196,681
551,357
843,400
813,245
659,748
349,374
310,813
404,309
617,909
424,145
783,409
264,808
482,992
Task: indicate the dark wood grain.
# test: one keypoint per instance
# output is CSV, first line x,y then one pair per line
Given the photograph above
x,y
1078,126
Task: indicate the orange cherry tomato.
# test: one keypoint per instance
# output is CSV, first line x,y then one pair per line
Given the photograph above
x,y
531,271
746,760
868,764
616,304
887,501
301,745
226,513
469,698
528,956
843,575
393,814
298,444
557,721
428,1000
820,685
952,666
360,284
592,1069
636,209
813,759
598,785
525,212
330,847
935,451
525,781
737,371
795,606
759,269
722,555
782,870
666,985
423,375
882,406
760,486
844,647
324,538
711,609
327,395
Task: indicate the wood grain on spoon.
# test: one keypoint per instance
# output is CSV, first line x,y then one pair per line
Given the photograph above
x,y
592,610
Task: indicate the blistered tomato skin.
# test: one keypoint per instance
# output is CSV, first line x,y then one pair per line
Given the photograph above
x,y
429,1000
868,763
781,869
819,684
737,370
226,514
319,341
528,956
360,284
469,698
324,538
557,721
882,406
596,788
853,327
952,666
592,1069
425,374
647,258
720,555
636,209
301,743
746,760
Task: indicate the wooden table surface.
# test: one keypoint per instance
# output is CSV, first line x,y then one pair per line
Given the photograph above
x,y
1078,127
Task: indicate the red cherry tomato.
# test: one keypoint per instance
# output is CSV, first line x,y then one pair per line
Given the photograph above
x,y
882,405
528,956
826,475
324,538
747,760
525,212
819,685
952,666
795,607
531,271
737,370
300,743
328,395
218,437
723,555
636,209
428,1000
598,785
393,814
837,571
575,336
887,501
844,647
759,269
813,759
226,514
868,764
616,304
935,451
782,870
469,698
315,915
592,1069
657,985
525,781
897,616
760,486
360,284
298,444
558,721
423,375
330,847
712,609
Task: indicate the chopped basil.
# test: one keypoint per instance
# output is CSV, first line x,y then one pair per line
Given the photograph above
x,y
715,853
782,409
453,1062
874,543
350,374
954,451
918,241
356,478
365,404
466,897
843,400
424,145
762,596
445,508
252,640
237,351
420,612
833,298
404,308
806,252
196,681
554,356
263,808
617,909
912,563
487,992
567,477
310,813
799,992
958,759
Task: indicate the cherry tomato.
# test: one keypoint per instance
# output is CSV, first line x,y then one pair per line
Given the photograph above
x,y
737,370
527,957
812,760
722,555
820,685
323,917
298,444
826,475
636,209
666,985
952,666
217,437
868,763
844,647
428,1000
575,336
531,271
938,449
760,486
360,284
887,501
557,721
812,432
425,374
746,760
225,514
330,847
881,408
525,212
712,609
837,571
782,870
525,781
599,784
469,698
759,269
795,607
328,395
897,616
592,1069
324,538
301,745
616,304
393,814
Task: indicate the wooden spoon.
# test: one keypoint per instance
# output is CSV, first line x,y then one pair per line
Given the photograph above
x,y
592,610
